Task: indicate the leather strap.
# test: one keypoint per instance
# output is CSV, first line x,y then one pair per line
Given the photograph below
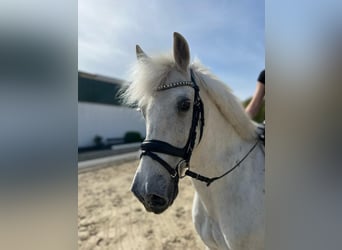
x,y
173,172
162,147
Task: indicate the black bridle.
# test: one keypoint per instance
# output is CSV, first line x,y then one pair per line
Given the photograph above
x,y
150,147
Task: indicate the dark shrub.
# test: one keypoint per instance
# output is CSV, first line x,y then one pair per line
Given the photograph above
x,y
98,140
132,136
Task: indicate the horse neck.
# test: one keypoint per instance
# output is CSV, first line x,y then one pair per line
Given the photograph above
x,y
221,147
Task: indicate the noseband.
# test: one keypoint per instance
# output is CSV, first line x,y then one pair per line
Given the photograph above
x,y
150,147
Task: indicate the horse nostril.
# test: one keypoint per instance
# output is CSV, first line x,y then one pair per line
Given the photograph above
x,y
157,201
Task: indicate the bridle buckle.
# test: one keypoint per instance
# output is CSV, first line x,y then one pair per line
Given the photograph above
x,y
182,166
174,175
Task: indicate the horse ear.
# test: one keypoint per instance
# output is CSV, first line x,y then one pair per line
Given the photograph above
x,y
140,53
181,51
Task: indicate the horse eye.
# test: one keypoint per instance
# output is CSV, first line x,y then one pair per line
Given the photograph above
x,y
184,105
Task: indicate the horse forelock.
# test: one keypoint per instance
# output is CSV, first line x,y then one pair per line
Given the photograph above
x,y
146,76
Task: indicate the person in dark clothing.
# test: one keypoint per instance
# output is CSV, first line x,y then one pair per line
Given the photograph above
x,y
255,104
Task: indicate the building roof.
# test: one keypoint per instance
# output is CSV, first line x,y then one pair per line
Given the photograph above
x,y
99,89
101,78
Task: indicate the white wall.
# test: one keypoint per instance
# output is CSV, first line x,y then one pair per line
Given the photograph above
x,y
107,121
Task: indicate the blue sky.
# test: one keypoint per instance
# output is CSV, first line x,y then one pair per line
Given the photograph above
x,y
226,36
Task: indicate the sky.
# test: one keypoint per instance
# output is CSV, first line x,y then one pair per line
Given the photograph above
x,y
227,36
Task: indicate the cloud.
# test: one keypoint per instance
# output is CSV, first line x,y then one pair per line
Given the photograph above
x,y
226,35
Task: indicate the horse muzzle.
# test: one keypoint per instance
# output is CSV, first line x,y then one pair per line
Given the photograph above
x,y
154,194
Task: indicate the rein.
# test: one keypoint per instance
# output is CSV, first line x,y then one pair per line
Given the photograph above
x,y
150,147
211,180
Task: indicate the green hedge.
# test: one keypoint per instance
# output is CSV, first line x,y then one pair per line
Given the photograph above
x,y
132,136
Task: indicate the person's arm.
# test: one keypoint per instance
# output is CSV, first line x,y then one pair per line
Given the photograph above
x,y
255,104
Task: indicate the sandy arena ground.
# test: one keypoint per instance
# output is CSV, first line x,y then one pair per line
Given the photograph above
x,y
110,217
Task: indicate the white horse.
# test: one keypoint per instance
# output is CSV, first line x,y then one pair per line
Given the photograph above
x,y
229,213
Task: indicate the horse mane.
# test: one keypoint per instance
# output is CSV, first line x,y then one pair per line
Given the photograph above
x,y
149,73
225,101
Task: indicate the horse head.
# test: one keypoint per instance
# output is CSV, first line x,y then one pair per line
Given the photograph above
x,y
168,111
